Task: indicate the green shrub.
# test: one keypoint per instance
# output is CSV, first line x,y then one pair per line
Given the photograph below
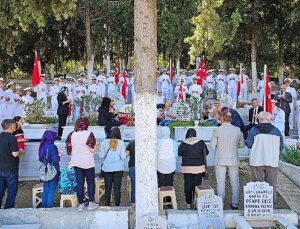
x,y
291,155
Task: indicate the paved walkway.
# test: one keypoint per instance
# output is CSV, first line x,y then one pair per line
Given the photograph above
x,y
289,192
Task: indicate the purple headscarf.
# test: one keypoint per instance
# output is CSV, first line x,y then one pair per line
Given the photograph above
x,y
49,136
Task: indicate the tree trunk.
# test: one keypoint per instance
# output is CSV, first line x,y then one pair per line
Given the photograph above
x,y
145,42
222,64
88,39
280,58
253,60
178,66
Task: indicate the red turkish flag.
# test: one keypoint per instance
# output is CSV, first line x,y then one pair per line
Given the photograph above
x,y
201,71
180,93
124,85
35,80
117,73
268,106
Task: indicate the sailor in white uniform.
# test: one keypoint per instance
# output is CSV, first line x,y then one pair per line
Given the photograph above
x,y
101,79
232,80
27,98
2,100
244,87
165,83
53,92
94,89
260,89
195,90
10,100
41,89
209,82
19,103
221,82
111,84
80,91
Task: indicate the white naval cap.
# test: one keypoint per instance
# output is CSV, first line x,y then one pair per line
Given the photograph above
x,y
10,83
56,79
231,69
68,77
27,89
19,87
1,79
287,80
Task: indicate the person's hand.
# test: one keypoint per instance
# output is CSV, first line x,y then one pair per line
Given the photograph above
x,y
69,101
97,146
61,153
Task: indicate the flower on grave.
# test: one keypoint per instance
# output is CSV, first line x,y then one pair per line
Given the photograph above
x,y
226,100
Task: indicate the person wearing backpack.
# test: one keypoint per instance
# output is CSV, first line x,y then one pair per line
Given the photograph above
x,y
48,153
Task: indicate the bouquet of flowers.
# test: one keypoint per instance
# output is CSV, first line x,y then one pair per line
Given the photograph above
x,y
226,100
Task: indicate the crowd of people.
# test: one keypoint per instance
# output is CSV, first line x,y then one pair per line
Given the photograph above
x,y
232,133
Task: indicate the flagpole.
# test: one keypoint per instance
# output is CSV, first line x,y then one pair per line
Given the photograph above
x,y
240,79
170,70
265,97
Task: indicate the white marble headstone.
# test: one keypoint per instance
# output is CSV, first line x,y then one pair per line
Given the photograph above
x,y
210,210
152,222
258,200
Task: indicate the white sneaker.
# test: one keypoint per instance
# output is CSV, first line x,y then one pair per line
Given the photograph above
x,y
92,206
80,207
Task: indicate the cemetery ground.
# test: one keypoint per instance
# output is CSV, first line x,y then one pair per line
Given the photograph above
x,y
24,197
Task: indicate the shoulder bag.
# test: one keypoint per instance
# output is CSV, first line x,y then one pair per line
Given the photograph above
x,y
47,171
101,171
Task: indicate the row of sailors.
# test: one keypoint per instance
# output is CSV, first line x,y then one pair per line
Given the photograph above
x,y
222,83
13,100
99,86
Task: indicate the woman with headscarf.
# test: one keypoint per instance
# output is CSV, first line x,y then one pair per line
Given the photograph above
x,y
167,153
113,153
81,145
62,109
106,115
192,151
47,147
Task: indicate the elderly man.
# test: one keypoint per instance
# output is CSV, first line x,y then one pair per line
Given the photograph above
x,y
227,139
169,114
265,142
283,101
9,163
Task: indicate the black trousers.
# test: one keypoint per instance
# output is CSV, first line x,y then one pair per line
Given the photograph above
x,y
112,179
190,182
287,124
165,179
62,120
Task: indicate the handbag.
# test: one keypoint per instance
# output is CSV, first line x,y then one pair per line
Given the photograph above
x,y
101,171
47,171
205,175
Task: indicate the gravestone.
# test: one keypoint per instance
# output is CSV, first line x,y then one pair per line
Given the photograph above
x,y
258,201
210,210
183,111
152,222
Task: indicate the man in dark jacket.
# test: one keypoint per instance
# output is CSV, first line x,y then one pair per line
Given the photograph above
x,y
283,101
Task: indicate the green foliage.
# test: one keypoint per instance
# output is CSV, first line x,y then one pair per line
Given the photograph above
x,y
89,105
211,32
291,155
35,113
202,123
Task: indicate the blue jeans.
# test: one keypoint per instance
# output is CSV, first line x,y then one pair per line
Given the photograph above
x,y
49,192
132,184
165,122
81,175
9,181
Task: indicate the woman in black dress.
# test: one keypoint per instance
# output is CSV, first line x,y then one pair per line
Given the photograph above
x,y
107,114
62,110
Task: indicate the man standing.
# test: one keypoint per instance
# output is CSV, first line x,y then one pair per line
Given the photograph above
x,y
10,100
283,101
261,89
41,89
232,80
27,98
9,163
226,140
221,82
293,92
278,117
195,89
2,100
54,89
265,142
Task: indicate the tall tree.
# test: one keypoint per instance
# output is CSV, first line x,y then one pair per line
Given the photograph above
x,y
145,51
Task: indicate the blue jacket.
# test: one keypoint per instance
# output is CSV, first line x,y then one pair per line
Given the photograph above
x,y
236,119
53,156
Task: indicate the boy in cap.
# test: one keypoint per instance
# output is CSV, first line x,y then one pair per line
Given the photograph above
x,y
27,98
53,92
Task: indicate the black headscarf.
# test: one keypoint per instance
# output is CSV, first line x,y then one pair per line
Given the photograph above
x,y
105,102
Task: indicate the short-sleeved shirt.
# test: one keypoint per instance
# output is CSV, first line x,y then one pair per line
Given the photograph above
x,y
131,149
8,144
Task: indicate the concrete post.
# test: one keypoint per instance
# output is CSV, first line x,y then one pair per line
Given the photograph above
x,y
145,42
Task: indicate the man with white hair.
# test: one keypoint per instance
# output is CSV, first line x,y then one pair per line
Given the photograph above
x,y
266,143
